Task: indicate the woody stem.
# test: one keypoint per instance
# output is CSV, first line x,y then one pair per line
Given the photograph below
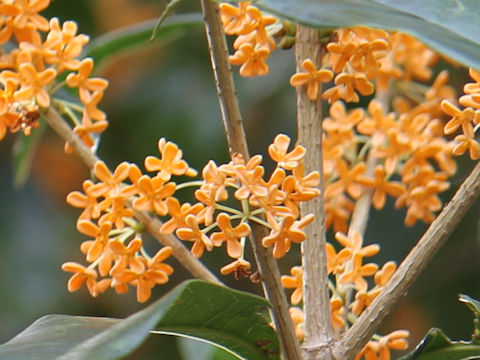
x,y
235,134
318,326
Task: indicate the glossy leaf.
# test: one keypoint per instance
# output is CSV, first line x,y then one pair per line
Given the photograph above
x,y
23,152
197,309
437,346
451,27
132,37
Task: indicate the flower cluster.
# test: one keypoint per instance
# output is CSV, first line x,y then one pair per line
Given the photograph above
x,y
116,252
254,40
349,291
360,57
44,50
116,248
467,120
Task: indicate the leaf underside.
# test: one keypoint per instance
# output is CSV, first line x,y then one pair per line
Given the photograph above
x,y
450,27
197,309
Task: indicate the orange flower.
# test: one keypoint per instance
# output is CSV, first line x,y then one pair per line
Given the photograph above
x,y
382,187
86,86
25,13
85,275
85,201
354,243
380,350
363,299
171,162
236,20
282,236
84,132
346,85
67,45
33,84
117,212
193,233
337,312
230,235
378,124
336,261
110,183
294,282
100,234
240,267
338,211
346,180
312,78
464,142
126,257
251,182
178,214
252,60
340,120
278,152
298,319
153,193
463,118
358,272
155,273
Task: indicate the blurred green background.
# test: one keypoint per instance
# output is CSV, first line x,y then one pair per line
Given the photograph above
x,y
166,90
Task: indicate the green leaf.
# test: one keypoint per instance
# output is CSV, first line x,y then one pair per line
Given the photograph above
x,y
53,335
197,309
224,317
23,151
450,27
437,346
133,37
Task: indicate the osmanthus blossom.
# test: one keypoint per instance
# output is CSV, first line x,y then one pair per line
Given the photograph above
x,y
380,349
283,234
312,79
251,59
171,162
295,281
43,52
382,186
231,235
192,232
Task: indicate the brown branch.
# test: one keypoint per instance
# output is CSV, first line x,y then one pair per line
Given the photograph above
x,y
237,143
180,252
227,95
409,270
319,332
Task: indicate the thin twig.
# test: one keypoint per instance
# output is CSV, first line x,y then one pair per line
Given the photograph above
x,y
180,252
227,95
409,270
319,332
237,143
168,9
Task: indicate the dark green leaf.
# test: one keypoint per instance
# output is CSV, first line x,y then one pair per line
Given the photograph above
x,y
53,335
130,38
23,151
224,317
437,346
451,27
